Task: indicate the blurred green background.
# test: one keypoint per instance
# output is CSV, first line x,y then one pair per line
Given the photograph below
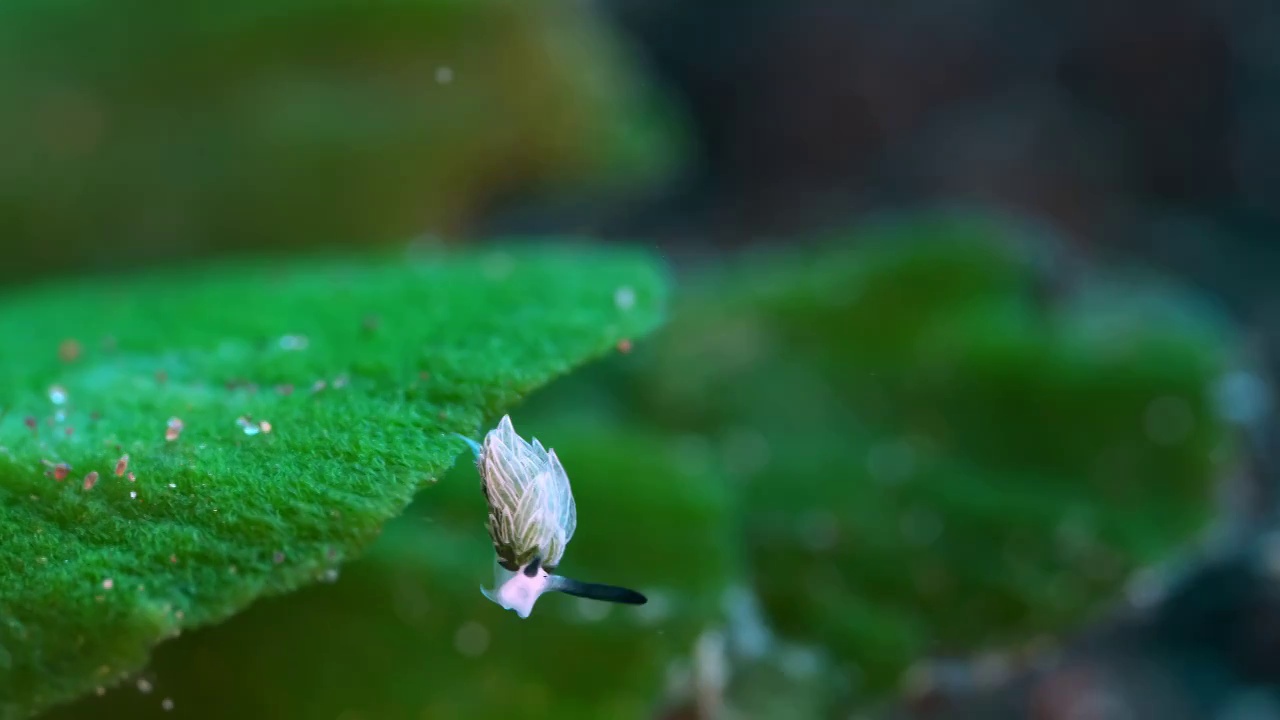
x,y
890,420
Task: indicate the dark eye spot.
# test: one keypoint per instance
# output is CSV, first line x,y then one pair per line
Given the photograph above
x,y
532,569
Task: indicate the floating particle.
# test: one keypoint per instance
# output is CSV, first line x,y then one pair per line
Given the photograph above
x,y
330,575
58,417
108,584
173,559
144,686
57,394
173,485
162,377
624,346
90,480
122,465
30,422
70,431
178,615
247,425
294,342
60,471
318,386
277,557
100,691
624,298
285,390
173,429
444,75
264,426
132,477
133,494
166,704
69,350
340,382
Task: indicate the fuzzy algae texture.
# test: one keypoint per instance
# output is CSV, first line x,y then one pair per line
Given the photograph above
x,y
360,368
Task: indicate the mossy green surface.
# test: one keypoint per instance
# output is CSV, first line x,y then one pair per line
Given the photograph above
x,y
405,632
362,368
931,453
163,130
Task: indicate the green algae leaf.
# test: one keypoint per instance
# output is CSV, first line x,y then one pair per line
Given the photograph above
x,y
358,369
403,633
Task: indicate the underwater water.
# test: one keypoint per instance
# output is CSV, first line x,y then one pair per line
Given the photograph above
x,y
429,359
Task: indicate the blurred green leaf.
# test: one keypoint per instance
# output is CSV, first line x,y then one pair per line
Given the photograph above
x,y
935,452
139,130
361,368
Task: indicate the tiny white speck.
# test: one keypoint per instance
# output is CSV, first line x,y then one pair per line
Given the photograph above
x,y
444,75
144,686
173,485
57,394
166,704
108,584
624,297
133,493
249,427
294,342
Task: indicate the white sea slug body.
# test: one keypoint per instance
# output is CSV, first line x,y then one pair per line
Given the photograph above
x,y
532,518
